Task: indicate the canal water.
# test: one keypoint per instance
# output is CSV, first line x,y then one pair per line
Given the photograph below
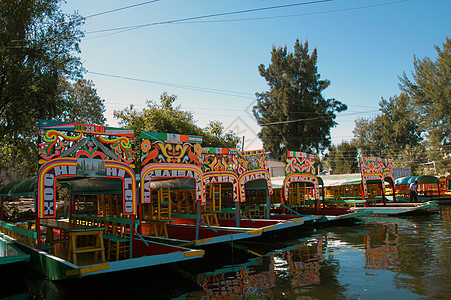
x,y
374,258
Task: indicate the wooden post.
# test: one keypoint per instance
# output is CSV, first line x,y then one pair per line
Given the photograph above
x,y
362,191
198,218
140,213
382,187
268,205
237,213
38,222
394,191
132,234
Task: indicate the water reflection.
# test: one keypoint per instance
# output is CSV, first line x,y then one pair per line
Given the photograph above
x,y
402,258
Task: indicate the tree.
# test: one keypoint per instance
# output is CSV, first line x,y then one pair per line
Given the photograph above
x,y
294,114
170,119
342,159
430,94
390,132
40,78
83,105
18,152
37,42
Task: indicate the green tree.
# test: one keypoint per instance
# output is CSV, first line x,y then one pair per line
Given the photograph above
x,y
167,118
430,95
37,46
37,42
390,132
294,114
342,159
83,105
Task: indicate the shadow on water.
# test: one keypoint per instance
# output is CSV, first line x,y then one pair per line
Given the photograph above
x,y
394,257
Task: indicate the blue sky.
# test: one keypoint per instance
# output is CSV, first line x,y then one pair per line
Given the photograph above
x,y
211,64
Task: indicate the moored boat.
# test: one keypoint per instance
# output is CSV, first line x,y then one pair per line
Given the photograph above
x,y
90,160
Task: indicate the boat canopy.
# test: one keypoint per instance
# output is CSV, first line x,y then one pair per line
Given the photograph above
x,y
20,187
184,183
341,179
421,179
258,184
76,186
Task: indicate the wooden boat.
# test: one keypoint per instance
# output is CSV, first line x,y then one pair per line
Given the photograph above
x,y
300,193
400,208
430,188
241,188
90,160
195,202
173,205
366,192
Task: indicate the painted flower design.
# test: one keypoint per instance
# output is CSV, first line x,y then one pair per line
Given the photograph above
x,y
145,146
198,149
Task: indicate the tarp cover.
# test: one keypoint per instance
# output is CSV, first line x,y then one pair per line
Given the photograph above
x,y
421,179
341,179
77,186
20,187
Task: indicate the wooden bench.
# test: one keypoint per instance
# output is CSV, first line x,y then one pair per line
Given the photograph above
x,y
117,233
21,233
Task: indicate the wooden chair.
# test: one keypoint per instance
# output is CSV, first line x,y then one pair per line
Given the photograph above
x,y
118,242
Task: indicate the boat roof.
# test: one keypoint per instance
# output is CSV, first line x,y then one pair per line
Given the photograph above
x,y
20,187
341,179
420,179
77,186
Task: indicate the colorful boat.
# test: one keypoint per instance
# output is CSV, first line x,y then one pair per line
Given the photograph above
x,y
84,159
430,188
367,191
300,193
174,207
241,188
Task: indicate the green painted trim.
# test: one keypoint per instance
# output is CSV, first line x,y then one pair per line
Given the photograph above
x,y
22,231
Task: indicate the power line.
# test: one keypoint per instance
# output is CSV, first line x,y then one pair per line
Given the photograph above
x,y
182,86
299,15
192,19
127,28
122,8
109,11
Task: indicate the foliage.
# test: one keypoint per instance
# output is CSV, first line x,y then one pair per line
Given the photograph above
x,y
414,128
83,105
293,113
166,118
390,132
36,46
38,43
342,159
430,94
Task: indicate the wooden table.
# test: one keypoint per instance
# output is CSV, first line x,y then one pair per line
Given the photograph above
x,y
73,231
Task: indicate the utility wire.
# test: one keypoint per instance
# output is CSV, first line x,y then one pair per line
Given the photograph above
x,y
208,16
109,11
298,15
182,86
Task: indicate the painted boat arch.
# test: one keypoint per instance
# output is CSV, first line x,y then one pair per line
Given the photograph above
x,y
259,174
67,167
221,177
169,170
306,178
371,178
